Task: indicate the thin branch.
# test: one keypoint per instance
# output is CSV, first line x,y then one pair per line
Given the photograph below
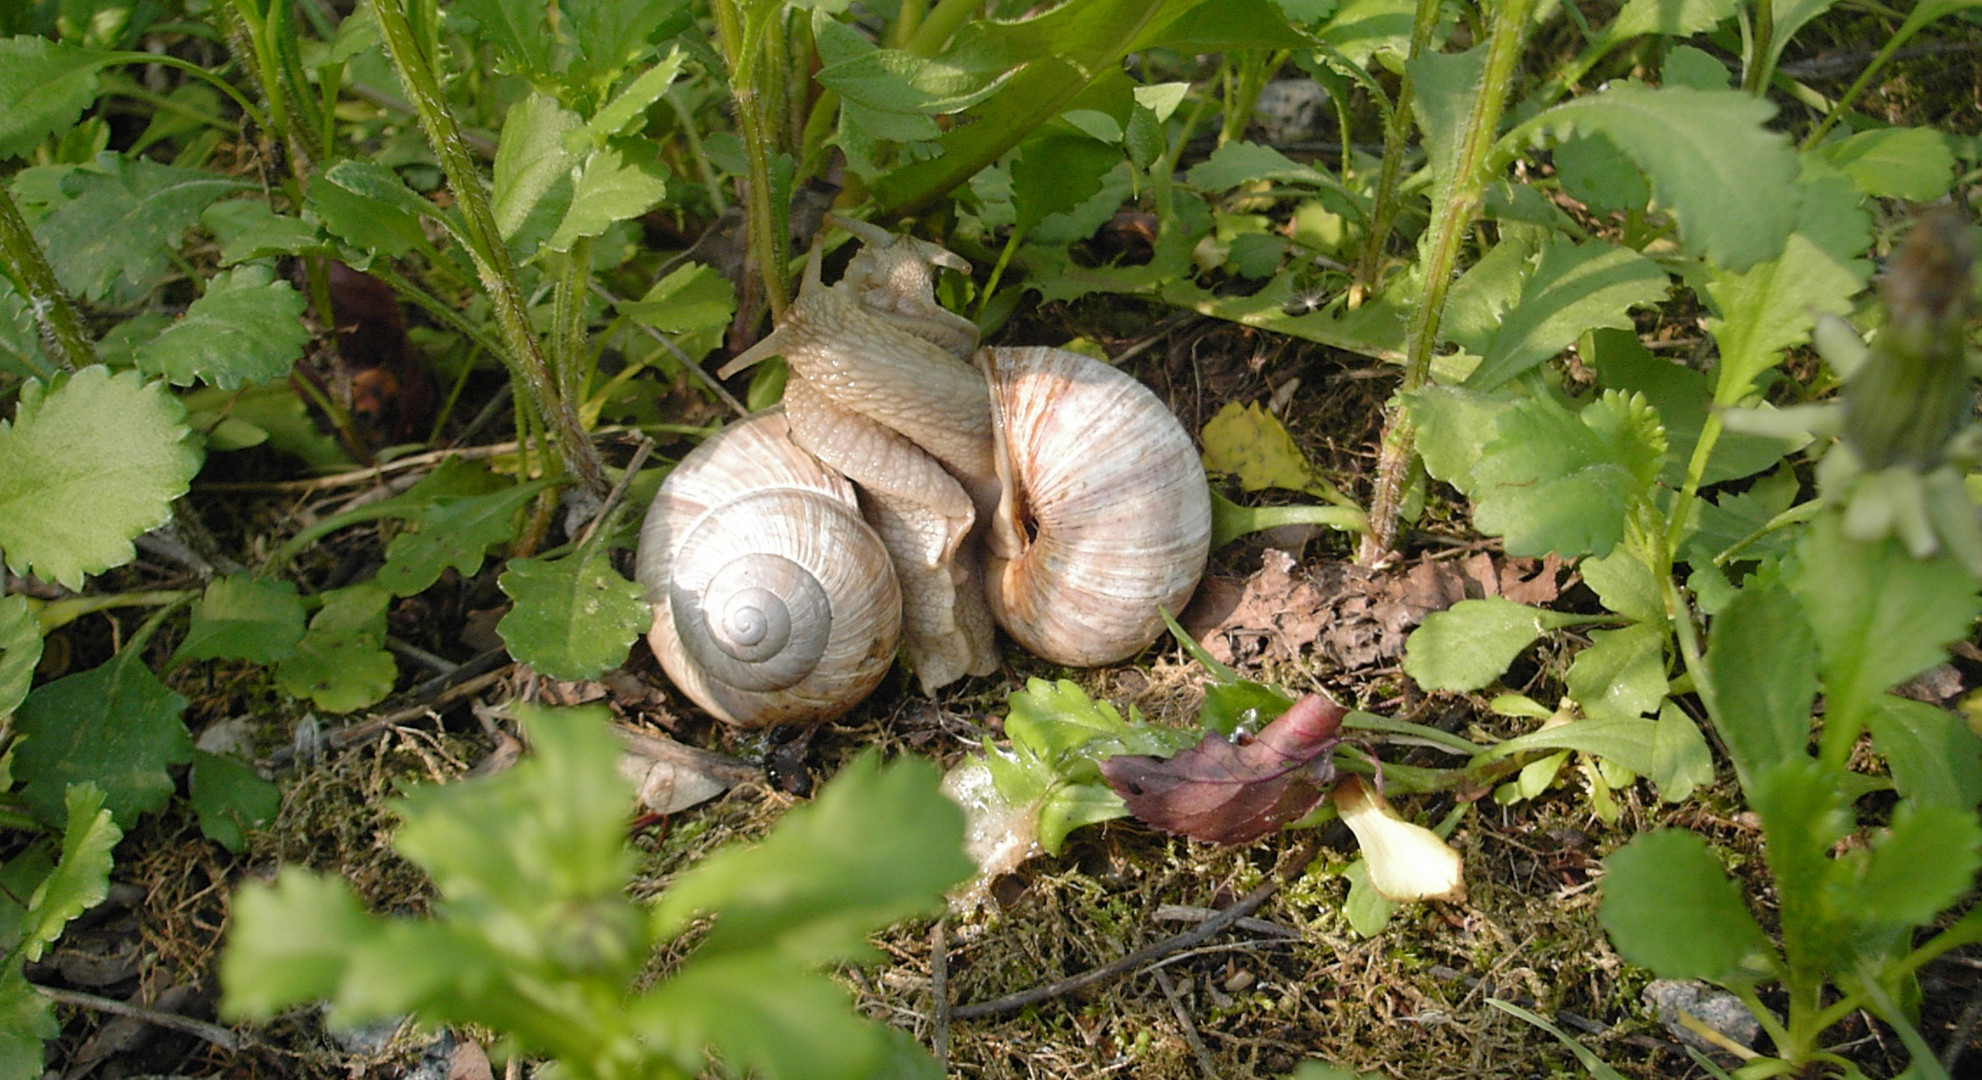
x,y
213,1033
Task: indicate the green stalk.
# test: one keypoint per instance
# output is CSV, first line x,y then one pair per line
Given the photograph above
x,y
941,24
742,26
1449,226
1761,40
524,352
1396,134
61,331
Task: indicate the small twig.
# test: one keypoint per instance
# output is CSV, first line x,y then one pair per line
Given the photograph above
x,y
1958,1042
683,358
1205,931
420,656
1204,1062
939,989
213,1033
1188,913
618,492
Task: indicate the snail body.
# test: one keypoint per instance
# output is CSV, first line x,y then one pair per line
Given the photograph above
x,y
774,601
1036,485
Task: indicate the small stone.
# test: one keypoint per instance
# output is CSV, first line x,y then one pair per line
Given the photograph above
x,y
1716,1008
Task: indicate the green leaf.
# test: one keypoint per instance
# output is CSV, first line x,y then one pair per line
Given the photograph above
x,y
454,532
1592,1064
71,498
243,617
694,301
573,618
1669,18
517,28
1894,163
124,221
1595,172
1935,759
1621,673
1923,864
1575,288
609,35
1468,645
247,328
1252,444
1804,810
1366,909
82,879
1681,759
1626,585
20,337
231,798
27,1022
1767,308
44,88
627,111
609,189
1068,806
1238,163
1629,741
878,845
341,663
20,651
1055,172
1445,85
116,726
1761,677
1561,481
290,942
803,1030
248,229
367,206
1684,400
1712,163
1668,905
1052,718
533,168
1454,424
1880,616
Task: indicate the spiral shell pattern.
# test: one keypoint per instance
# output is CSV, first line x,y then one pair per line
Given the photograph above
x,y
774,602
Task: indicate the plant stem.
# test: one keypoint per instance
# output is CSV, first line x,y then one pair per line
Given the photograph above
x,y
61,331
1383,212
1761,41
1449,225
742,26
524,351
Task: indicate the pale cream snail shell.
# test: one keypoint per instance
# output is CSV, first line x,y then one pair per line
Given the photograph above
x,y
774,602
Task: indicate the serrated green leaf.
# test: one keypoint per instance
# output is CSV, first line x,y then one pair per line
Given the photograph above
x,y
1055,172
609,35
1621,673
1805,811
248,229
1563,481
573,618
1629,741
242,617
115,725
878,844
1935,759
72,499
1712,163
1470,644
454,532
631,104
1684,400
44,88
1679,19
693,298
1894,163
1444,86
609,189
290,942
231,798
523,40
1668,905
27,1021
1761,678
82,879
1924,863
1068,806
1050,719
1771,307
1626,585
1681,759
1575,288
1880,616
247,328
341,663
1595,172
20,651
124,220
532,167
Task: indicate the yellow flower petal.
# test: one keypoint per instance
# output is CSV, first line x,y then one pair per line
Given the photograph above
x,y
1406,862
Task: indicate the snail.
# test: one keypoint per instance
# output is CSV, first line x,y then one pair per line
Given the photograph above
x,y
1034,485
774,602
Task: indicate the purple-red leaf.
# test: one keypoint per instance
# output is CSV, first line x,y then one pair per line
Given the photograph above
x,y
1234,793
